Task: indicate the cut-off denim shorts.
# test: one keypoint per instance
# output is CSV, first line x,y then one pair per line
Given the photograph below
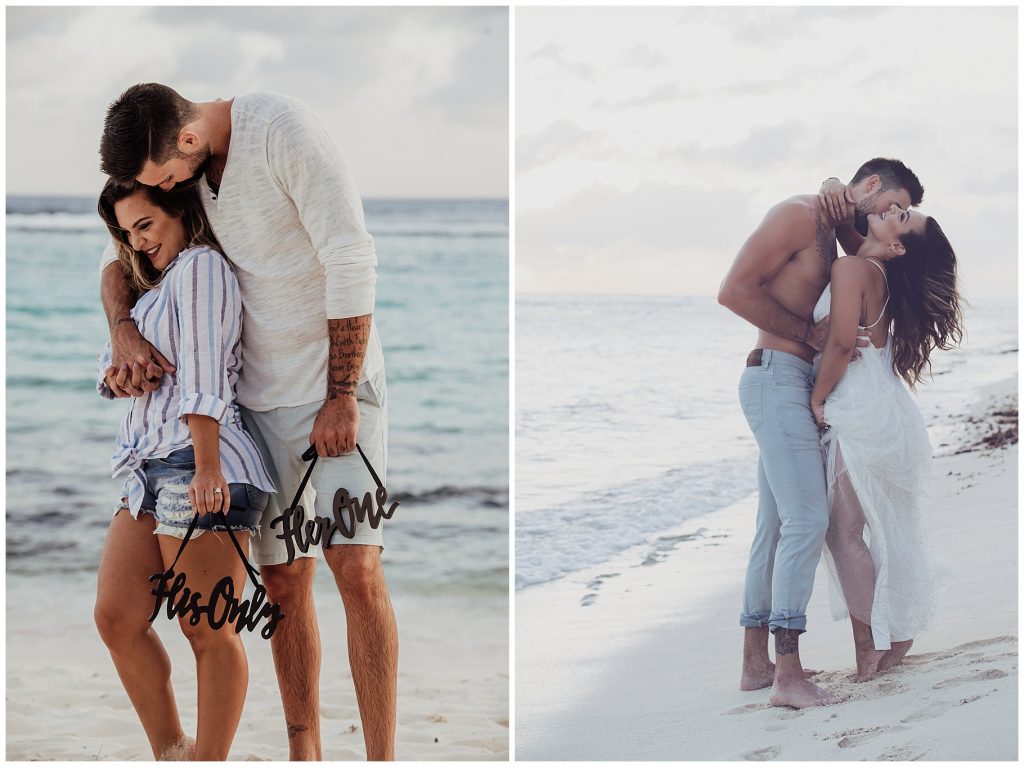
x,y
166,498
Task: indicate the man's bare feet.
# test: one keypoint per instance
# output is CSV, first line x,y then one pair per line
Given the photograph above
x,y
895,655
764,676
799,693
183,750
757,676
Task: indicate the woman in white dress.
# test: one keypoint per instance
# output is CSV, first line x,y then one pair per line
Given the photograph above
x,y
902,286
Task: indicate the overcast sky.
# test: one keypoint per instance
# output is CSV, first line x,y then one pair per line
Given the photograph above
x,y
651,141
417,98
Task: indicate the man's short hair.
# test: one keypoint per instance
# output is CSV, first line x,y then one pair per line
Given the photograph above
x,y
893,175
143,124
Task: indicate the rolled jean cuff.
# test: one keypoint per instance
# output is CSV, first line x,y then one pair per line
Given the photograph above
x,y
785,620
754,620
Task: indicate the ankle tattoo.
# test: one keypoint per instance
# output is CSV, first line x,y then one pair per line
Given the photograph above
x,y
786,641
295,729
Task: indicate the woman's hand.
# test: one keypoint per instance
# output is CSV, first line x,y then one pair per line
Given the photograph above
x,y
835,199
201,491
818,410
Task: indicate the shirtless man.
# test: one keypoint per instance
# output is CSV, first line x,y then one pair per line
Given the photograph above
x,y
774,283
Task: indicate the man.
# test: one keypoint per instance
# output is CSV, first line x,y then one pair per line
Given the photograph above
x,y
774,283
283,205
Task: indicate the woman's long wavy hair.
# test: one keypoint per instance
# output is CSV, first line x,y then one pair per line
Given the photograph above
x,y
180,203
925,303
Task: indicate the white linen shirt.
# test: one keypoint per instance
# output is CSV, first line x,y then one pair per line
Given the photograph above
x,y
194,318
291,222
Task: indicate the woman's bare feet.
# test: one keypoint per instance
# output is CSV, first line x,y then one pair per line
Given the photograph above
x,y
895,655
867,664
799,693
183,750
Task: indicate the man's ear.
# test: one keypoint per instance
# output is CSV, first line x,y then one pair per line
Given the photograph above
x,y
188,140
872,183
896,248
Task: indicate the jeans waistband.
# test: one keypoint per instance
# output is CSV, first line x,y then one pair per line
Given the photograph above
x,y
765,358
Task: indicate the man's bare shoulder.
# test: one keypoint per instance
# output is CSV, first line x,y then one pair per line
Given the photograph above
x,y
796,210
796,215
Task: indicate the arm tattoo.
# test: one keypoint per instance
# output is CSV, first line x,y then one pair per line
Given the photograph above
x,y
825,236
348,339
786,641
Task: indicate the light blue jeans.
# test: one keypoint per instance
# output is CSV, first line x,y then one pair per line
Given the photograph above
x,y
792,508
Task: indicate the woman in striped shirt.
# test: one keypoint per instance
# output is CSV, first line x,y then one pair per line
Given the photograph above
x,y
185,453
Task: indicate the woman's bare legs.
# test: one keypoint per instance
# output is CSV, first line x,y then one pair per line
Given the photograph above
x,y
856,569
221,666
123,606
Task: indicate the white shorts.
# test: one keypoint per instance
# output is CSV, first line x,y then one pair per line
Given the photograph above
x,y
282,436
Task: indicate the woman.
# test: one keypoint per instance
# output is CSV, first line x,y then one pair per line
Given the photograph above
x,y
877,451
185,453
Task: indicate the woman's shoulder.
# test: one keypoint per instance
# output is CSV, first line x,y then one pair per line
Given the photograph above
x,y
851,269
200,256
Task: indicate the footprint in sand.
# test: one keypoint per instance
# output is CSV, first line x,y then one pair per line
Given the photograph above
x,y
928,712
763,754
747,709
598,582
899,754
992,673
858,737
587,600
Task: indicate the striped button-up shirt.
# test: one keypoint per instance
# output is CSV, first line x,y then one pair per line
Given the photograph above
x,y
194,317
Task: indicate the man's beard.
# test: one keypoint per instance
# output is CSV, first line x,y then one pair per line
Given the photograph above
x,y
861,210
201,166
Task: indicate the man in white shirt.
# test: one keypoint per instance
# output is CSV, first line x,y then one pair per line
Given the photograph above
x,y
282,203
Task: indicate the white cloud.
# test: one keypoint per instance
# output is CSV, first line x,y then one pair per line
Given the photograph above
x,y
417,98
748,106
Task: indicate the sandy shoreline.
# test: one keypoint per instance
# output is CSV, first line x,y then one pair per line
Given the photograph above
x,y
64,700
639,658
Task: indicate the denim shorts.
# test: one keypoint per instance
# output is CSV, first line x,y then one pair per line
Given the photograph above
x,y
167,500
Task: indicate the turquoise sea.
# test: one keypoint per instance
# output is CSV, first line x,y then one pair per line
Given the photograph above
x,y
442,312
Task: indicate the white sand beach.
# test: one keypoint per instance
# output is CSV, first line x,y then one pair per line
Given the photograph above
x,y
64,700
639,658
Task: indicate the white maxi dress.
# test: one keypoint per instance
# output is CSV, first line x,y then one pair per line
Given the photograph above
x,y
877,461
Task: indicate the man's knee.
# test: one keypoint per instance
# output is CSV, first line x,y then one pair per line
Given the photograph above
x,y
286,583
357,570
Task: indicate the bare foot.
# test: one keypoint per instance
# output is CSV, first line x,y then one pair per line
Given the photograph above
x,y
894,656
799,693
757,676
763,676
867,664
183,750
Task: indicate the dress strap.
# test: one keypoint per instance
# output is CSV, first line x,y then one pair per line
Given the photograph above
x,y
887,294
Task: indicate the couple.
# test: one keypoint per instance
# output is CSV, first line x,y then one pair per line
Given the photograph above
x,y
889,304
239,290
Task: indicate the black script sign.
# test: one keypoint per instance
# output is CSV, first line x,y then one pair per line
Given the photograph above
x,y
348,511
224,606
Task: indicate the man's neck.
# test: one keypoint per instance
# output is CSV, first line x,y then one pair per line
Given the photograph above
x,y
217,116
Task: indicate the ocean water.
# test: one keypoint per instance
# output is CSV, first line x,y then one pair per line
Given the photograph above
x,y
442,312
628,422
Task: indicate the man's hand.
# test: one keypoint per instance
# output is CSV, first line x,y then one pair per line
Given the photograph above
x,y
133,381
137,365
836,201
336,426
818,336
